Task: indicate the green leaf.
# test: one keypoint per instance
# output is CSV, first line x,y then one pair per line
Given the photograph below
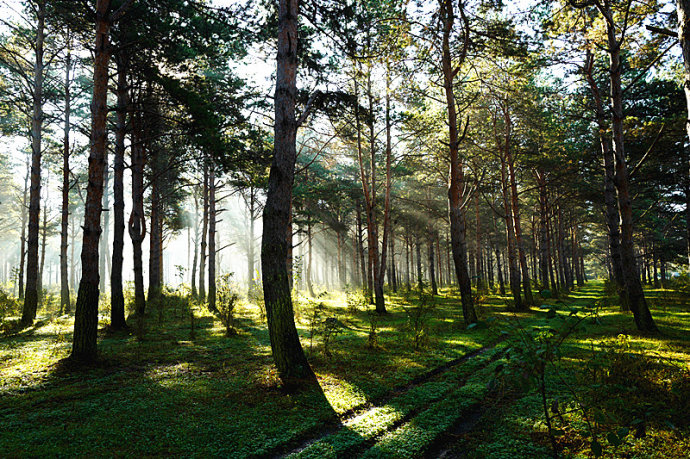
x,y
596,448
551,314
471,326
623,432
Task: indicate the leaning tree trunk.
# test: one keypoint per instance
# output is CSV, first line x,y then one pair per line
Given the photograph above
x,y
293,367
636,298
31,294
117,299
86,314
456,182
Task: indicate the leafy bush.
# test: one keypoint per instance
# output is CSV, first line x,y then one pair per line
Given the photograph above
x,y
355,301
418,318
9,305
226,302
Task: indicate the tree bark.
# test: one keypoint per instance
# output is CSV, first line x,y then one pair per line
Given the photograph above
x,y
683,10
196,243
44,237
250,242
513,270
117,299
137,219
526,287
432,266
212,239
22,242
31,293
155,228
86,314
456,182
64,217
293,367
204,234
636,298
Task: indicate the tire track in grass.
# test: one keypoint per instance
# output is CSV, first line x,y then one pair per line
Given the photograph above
x,y
360,427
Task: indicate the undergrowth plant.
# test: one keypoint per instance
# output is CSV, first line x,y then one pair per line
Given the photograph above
x,y
356,301
255,296
418,317
534,352
226,302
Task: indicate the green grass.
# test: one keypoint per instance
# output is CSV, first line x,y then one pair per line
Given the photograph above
x,y
210,395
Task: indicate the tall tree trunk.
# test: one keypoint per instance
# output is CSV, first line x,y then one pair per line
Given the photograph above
x,y
22,241
576,261
456,182
195,260
394,271
526,287
117,299
44,238
369,203
380,305
513,270
420,277
204,234
611,207
64,217
250,242
407,262
636,298
31,294
293,368
683,10
86,314
543,222
212,239
478,240
137,219
432,267
155,231
310,260
360,245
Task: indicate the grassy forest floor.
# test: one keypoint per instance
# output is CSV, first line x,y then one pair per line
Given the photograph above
x,y
415,383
